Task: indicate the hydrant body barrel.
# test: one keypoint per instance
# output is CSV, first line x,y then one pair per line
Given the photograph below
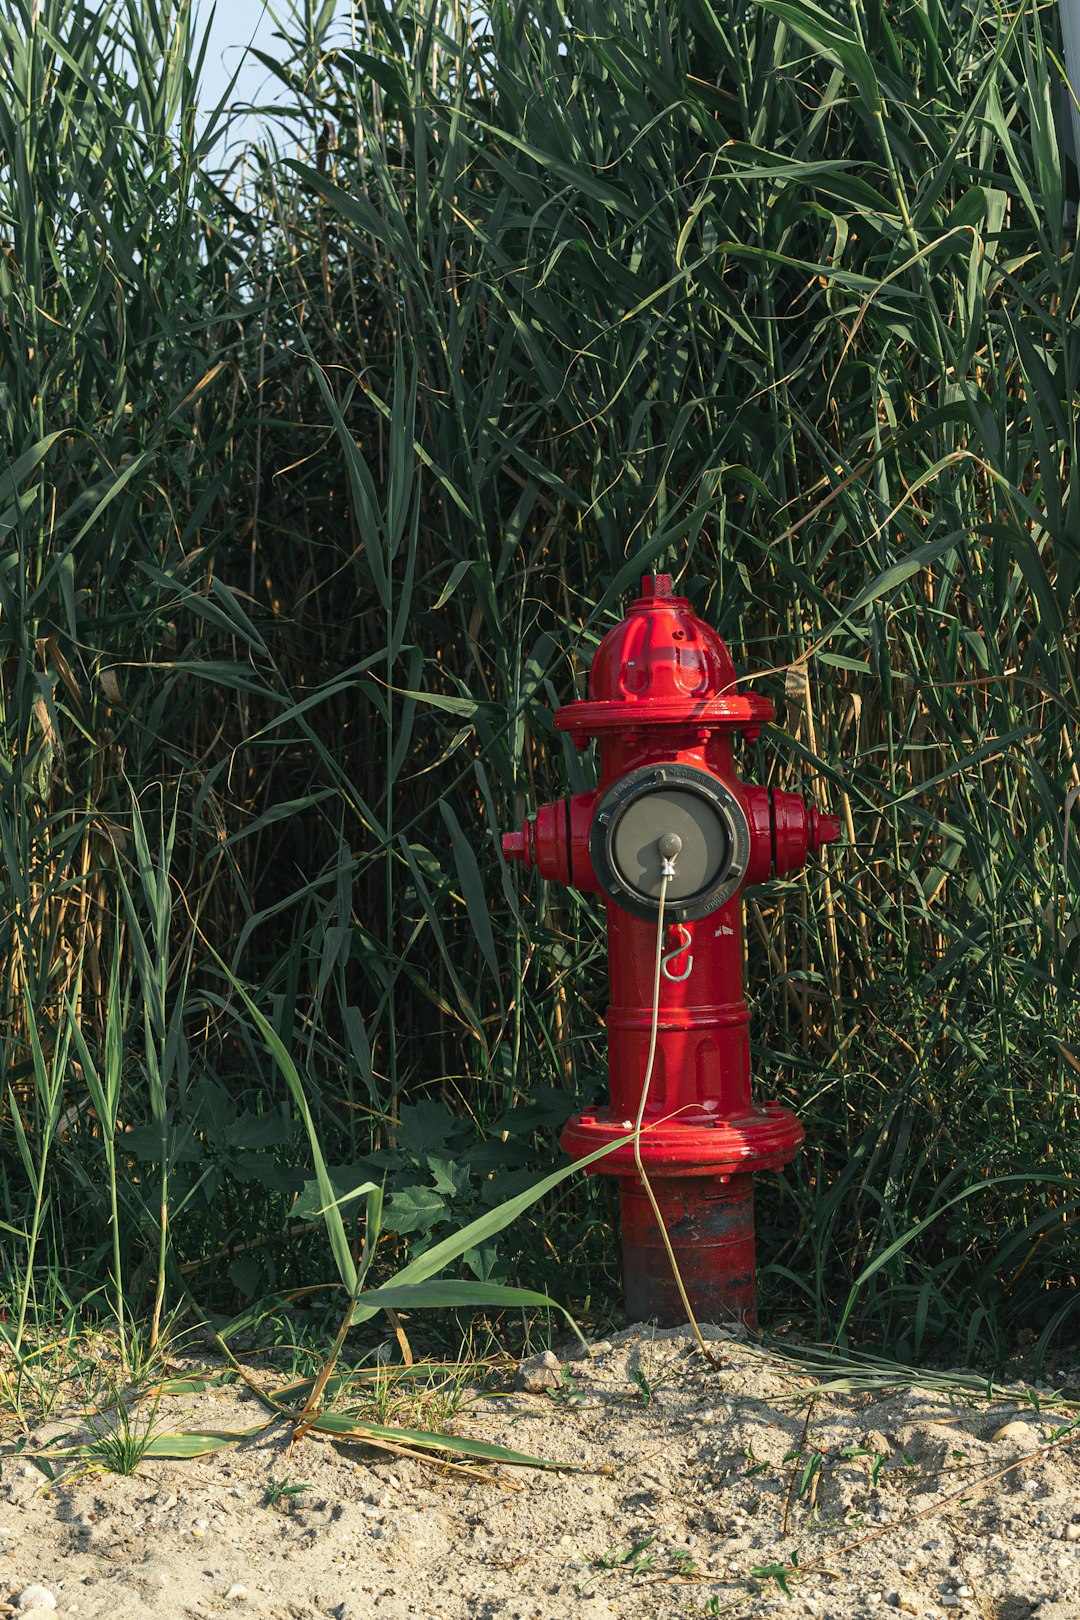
x,y
664,705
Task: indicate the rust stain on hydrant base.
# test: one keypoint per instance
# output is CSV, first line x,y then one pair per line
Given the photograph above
x,y
664,706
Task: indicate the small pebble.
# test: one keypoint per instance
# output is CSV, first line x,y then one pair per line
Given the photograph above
x,y
964,1592
236,1592
35,1597
1072,1532
538,1373
1019,1433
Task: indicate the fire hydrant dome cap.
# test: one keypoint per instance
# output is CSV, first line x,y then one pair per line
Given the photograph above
x,y
660,665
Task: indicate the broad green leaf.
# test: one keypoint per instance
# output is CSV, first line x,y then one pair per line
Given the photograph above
x,y
466,707
835,42
190,1443
414,1209
438,1294
14,473
331,1214
454,1445
473,890
486,1226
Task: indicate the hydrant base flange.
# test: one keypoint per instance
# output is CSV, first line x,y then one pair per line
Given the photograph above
x,y
767,1137
710,1224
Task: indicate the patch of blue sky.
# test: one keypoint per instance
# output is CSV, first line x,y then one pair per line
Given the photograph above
x,y
235,26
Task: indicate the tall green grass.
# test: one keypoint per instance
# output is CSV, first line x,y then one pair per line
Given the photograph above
x,y
327,472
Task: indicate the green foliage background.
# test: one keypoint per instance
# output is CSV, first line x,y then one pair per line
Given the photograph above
x,y
329,460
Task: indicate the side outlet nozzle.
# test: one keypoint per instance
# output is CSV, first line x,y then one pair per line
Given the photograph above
x,y
823,830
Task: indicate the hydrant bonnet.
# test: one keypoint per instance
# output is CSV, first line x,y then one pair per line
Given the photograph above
x,y
661,665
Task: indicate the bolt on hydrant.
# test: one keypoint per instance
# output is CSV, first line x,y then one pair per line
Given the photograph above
x,y
664,705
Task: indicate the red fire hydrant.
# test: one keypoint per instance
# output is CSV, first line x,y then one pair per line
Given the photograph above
x,y
664,705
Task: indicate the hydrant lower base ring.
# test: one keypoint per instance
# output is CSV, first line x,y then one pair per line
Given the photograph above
x,y
767,1138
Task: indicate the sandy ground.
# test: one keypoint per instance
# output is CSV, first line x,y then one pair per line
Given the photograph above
x,y
680,1489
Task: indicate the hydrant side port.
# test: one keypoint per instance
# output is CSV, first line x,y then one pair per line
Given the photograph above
x,y
664,705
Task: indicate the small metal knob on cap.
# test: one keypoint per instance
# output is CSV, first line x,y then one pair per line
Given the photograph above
x,y
669,845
